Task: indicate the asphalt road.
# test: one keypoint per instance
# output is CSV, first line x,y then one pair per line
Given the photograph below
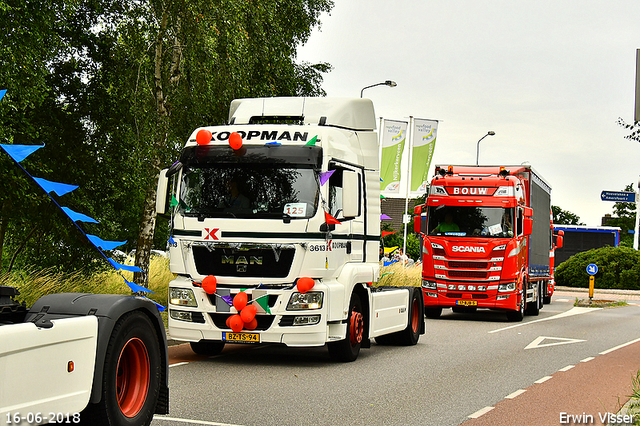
x,y
464,366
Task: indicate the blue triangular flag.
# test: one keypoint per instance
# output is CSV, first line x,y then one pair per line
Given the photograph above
x,y
78,217
171,240
137,288
124,267
104,245
160,307
59,188
2,92
20,152
273,143
389,262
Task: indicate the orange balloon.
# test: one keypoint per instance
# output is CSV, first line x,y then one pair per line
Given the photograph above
x,y
235,141
203,137
235,323
251,325
248,313
209,284
305,284
240,301
227,322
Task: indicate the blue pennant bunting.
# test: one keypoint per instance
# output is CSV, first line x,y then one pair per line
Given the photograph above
x,y
171,240
20,152
104,245
137,288
78,217
391,262
123,267
59,188
2,92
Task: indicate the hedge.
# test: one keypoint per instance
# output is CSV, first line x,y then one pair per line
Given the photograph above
x,y
618,267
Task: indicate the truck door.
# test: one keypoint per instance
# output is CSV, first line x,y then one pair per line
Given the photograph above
x,y
346,204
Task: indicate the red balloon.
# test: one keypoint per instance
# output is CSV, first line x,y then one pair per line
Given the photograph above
x,y
248,313
235,141
251,325
209,284
235,323
227,322
240,301
305,284
203,137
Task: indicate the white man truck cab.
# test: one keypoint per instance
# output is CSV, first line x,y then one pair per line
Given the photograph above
x,y
275,231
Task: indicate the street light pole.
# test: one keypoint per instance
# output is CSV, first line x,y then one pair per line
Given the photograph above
x,y
389,83
489,133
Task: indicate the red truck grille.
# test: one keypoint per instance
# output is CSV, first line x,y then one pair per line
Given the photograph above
x,y
482,275
455,264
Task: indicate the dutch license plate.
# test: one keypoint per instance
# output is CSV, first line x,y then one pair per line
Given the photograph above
x,y
466,303
241,337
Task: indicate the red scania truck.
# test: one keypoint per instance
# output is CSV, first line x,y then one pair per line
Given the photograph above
x,y
487,240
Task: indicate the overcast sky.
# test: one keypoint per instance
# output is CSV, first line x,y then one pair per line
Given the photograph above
x,y
549,77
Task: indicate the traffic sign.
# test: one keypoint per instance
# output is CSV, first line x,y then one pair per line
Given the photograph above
x,y
618,196
592,269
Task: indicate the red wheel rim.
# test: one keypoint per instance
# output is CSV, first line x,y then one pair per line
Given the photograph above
x,y
356,327
132,377
415,316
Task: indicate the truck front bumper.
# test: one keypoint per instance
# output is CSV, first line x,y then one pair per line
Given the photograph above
x,y
491,299
276,324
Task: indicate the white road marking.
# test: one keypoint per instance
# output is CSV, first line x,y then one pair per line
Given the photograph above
x,y
193,422
516,393
544,379
619,346
537,343
567,368
178,364
577,310
588,359
479,413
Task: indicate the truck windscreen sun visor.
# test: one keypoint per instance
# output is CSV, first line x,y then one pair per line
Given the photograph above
x,y
266,182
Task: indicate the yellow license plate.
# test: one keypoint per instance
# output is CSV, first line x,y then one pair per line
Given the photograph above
x,y
466,303
241,337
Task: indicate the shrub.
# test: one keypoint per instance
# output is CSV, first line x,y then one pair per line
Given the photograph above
x,y
618,267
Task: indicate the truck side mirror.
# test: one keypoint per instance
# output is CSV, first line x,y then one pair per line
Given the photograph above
x,y
350,194
162,192
560,239
417,219
527,226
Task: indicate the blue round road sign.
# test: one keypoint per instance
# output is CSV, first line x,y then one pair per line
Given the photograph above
x,y
592,269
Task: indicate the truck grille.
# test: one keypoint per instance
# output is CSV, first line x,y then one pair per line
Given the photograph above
x,y
243,260
454,264
482,275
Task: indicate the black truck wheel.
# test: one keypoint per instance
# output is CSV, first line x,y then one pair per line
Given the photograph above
x,y
131,376
347,350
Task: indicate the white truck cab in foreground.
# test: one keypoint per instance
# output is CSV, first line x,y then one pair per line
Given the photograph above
x,y
275,231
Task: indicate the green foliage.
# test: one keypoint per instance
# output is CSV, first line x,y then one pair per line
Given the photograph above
x,y
114,89
564,217
397,240
618,267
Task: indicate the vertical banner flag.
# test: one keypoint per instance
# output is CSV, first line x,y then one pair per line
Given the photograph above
x,y
394,134
424,141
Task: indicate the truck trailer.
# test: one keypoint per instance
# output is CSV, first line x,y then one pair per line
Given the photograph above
x,y
275,231
487,240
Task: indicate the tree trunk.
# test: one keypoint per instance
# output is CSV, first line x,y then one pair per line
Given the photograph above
x,y
148,220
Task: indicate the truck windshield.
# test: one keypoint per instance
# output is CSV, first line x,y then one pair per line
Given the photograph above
x,y
481,222
250,191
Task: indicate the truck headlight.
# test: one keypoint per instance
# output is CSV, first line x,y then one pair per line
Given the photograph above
x,y
305,301
507,287
431,285
182,297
